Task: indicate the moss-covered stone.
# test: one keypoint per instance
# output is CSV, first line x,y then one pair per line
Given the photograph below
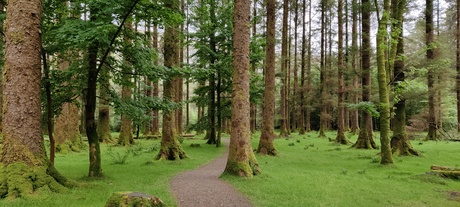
x,y
133,199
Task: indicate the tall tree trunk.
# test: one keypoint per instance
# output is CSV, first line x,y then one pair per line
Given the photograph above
x,y
354,67
126,131
365,137
341,138
400,143
284,65
384,93
308,73
211,132
253,66
303,61
295,108
170,149
458,65
241,159
156,87
23,151
66,131
430,55
267,135
103,125
323,90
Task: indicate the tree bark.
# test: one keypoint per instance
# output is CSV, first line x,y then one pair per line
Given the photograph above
x,y
284,65
354,67
103,121
126,130
23,152
266,146
400,143
155,92
341,138
365,137
241,159
170,149
458,64
302,105
384,93
430,55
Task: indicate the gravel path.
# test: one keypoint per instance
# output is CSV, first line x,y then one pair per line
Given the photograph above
x,y
202,187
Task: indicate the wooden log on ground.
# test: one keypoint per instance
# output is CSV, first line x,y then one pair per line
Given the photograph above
x,y
446,171
131,199
188,135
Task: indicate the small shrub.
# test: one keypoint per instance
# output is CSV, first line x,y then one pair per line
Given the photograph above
x,y
361,172
137,149
376,159
119,158
152,148
298,141
291,144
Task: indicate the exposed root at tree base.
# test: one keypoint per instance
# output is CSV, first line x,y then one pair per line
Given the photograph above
x,y
19,180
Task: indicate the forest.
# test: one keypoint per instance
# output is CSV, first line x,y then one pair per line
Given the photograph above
x,y
90,87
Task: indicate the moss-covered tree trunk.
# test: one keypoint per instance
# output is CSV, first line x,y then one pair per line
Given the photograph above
x,y
66,131
170,149
365,137
103,120
457,64
267,135
66,128
25,168
241,159
400,143
384,93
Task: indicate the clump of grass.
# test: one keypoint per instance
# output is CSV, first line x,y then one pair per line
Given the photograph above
x,y
431,178
137,149
117,157
344,171
376,159
152,148
291,144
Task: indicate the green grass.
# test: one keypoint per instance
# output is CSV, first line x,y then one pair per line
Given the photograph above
x,y
140,173
311,172
316,172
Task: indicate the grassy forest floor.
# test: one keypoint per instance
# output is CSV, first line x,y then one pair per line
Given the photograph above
x,y
308,172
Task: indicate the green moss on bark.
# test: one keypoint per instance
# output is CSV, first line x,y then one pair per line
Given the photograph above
x,y
19,180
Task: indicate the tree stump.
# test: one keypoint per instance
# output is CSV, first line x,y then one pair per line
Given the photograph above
x,y
133,199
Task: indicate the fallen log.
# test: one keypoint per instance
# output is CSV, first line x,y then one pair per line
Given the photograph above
x,y
446,171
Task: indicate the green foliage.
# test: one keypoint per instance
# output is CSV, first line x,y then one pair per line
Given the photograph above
x,y
365,106
119,158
